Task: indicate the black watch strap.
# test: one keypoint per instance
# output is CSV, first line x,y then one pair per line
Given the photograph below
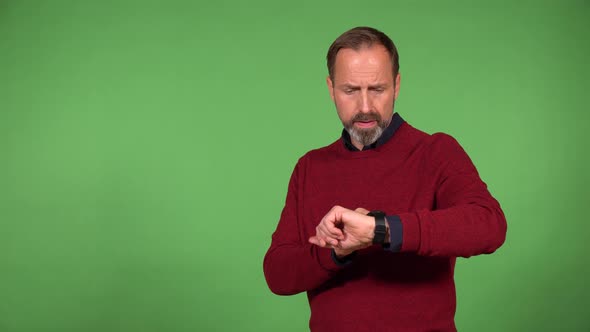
x,y
380,228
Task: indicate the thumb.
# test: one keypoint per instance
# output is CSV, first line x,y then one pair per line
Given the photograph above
x,y
362,210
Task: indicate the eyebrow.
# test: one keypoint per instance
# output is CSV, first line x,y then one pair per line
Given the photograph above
x,y
355,87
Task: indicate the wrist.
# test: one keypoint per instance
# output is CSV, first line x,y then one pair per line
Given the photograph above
x,y
341,253
380,234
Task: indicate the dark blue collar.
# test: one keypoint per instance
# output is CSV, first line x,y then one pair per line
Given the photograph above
x,y
396,122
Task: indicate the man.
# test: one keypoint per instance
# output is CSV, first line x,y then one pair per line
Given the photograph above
x,y
373,223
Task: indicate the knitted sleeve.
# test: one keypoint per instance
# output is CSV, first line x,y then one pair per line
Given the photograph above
x,y
466,220
291,264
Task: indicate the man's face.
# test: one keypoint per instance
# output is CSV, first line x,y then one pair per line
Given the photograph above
x,y
364,91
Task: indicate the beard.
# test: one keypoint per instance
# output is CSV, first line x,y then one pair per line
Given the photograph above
x,y
366,136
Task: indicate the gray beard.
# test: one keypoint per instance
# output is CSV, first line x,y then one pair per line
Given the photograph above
x,y
365,136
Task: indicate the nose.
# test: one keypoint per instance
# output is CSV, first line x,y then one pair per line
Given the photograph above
x,y
364,102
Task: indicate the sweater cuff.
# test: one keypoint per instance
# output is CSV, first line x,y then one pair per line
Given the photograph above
x,y
411,235
346,260
324,256
395,233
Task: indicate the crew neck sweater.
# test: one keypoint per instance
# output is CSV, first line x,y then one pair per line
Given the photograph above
x,y
395,226
445,209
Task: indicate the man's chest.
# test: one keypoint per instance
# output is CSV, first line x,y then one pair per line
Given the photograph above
x,y
378,185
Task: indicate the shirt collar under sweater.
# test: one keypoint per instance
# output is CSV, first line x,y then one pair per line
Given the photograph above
x,y
396,122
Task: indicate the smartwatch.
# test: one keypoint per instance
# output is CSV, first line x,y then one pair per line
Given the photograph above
x,y
380,229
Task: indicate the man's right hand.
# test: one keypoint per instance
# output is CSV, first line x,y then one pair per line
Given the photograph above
x,y
345,230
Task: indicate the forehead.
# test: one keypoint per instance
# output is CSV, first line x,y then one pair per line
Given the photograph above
x,y
373,63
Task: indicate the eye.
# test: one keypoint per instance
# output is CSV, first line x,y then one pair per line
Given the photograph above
x,y
348,91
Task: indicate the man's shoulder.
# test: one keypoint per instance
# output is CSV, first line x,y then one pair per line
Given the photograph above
x,y
438,139
443,141
328,152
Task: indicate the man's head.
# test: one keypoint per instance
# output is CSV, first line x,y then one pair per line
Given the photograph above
x,y
363,81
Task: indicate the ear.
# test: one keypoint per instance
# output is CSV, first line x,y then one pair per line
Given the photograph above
x,y
397,82
330,87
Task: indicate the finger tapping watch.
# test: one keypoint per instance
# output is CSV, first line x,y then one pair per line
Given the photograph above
x,y
380,229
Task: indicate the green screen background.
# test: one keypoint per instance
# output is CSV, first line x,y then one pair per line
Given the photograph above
x,y
146,148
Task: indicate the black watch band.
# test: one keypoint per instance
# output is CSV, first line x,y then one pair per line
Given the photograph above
x,y
380,228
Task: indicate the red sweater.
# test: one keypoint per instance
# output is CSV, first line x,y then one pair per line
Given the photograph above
x,y
445,210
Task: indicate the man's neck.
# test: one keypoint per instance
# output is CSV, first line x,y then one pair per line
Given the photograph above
x,y
356,144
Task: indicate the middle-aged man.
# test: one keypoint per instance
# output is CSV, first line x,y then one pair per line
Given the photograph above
x,y
373,222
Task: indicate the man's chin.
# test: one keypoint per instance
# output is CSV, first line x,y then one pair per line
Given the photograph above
x,y
365,136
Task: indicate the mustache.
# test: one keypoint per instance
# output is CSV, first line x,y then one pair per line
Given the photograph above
x,y
372,116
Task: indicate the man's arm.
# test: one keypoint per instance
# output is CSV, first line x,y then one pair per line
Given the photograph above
x,y
467,220
292,264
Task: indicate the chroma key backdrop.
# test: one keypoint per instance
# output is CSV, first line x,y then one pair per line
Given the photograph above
x,y
146,147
